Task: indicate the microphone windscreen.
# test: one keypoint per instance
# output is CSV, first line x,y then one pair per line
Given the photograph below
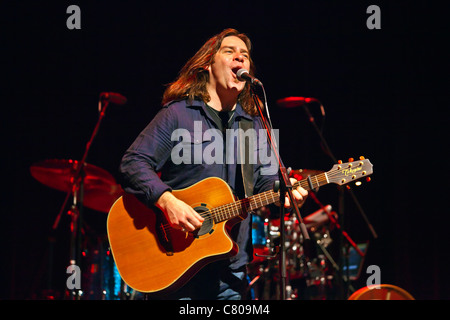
x,y
114,97
240,73
291,102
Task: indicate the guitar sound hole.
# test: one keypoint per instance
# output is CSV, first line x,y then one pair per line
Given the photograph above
x,y
207,226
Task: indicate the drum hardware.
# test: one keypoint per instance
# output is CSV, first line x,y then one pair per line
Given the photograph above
x,y
100,187
100,190
291,102
322,241
306,273
97,190
310,275
87,185
274,253
333,219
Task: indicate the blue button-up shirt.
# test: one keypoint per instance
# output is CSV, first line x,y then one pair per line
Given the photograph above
x,y
171,153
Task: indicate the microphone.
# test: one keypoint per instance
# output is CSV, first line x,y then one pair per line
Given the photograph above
x,y
293,102
113,97
244,75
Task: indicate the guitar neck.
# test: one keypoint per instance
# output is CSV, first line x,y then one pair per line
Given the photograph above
x,y
262,199
340,174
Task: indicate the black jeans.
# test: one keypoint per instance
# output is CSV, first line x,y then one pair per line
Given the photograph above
x,y
216,281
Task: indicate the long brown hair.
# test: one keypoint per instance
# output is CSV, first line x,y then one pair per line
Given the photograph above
x,y
194,76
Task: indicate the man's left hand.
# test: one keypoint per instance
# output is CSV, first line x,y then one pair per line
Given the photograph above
x,y
299,194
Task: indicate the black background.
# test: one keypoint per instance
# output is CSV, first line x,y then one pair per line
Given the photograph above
x,y
384,92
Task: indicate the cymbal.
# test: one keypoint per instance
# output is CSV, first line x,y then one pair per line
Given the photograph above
x,y
301,174
102,199
59,174
100,187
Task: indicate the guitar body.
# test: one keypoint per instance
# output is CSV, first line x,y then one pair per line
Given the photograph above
x,y
153,257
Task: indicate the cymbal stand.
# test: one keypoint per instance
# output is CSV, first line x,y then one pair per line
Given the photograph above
x,y
335,265
76,213
77,193
341,190
331,155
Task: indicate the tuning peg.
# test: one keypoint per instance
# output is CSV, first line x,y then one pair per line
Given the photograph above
x,y
361,158
351,159
368,179
348,187
340,161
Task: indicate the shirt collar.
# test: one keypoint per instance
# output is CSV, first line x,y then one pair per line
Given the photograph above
x,y
239,111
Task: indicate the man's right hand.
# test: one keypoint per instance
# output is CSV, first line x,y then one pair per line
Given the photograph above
x,y
179,214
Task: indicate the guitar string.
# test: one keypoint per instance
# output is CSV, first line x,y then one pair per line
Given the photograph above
x,y
225,210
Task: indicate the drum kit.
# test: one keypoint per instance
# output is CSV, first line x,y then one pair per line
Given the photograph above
x,y
309,270
100,276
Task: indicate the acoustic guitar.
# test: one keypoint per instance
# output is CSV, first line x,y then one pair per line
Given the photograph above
x,y
153,257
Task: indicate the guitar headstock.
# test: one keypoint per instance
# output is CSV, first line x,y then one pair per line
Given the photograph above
x,y
343,173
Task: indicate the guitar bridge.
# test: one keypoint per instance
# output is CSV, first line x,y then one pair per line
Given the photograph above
x,y
164,237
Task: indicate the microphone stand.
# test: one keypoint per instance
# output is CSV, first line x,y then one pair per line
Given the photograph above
x,y
285,187
341,190
77,192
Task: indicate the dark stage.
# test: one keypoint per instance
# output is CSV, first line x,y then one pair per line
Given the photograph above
x,y
383,92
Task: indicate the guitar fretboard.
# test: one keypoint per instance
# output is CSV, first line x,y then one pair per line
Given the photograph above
x,y
240,207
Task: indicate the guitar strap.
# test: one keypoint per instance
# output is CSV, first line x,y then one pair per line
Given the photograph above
x,y
245,149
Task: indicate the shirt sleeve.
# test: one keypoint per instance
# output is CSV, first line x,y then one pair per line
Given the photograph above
x,y
146,156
